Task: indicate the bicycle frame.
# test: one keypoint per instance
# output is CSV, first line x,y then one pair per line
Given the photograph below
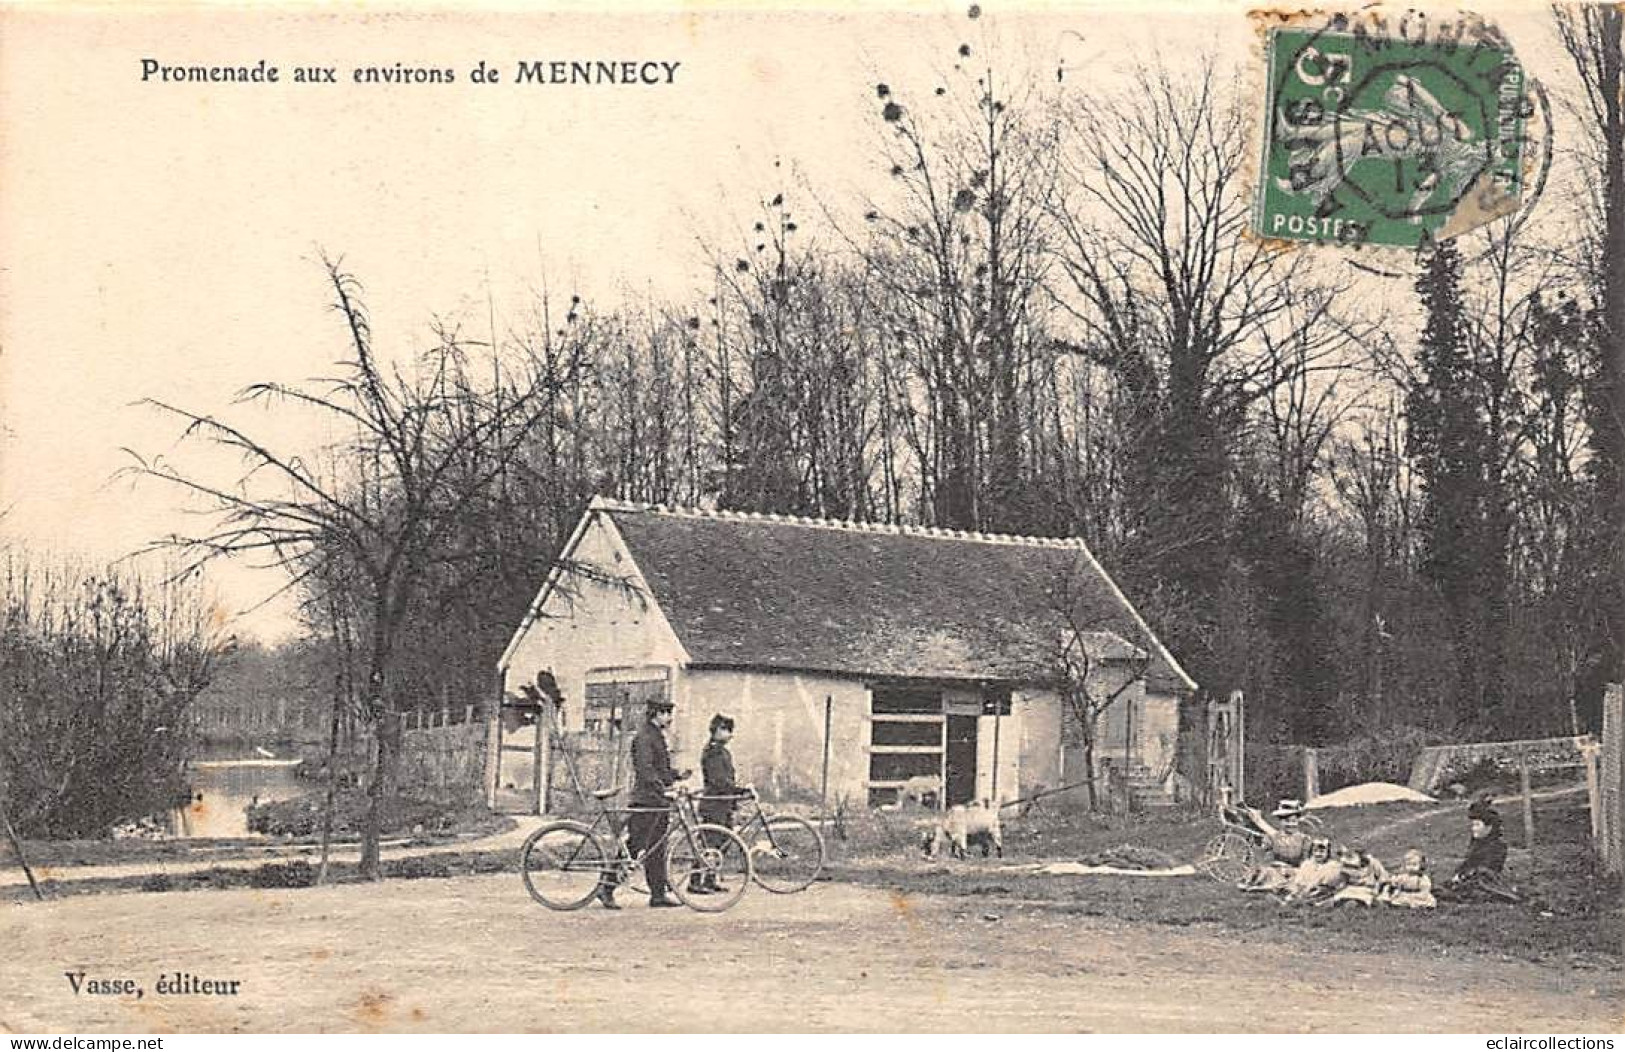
x,y
612,822
757,818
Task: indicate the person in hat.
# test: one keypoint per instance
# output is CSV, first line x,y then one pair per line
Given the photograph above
x,y
1288,846
646,825
1480,877
722,793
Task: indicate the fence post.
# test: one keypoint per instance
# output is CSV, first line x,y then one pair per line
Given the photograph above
x,y
1311,773
829,715
1589,751
1528,801
543,765
1612,775
1240,732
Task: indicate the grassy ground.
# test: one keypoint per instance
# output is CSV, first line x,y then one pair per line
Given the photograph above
x,y
1573,916
63,853
295,874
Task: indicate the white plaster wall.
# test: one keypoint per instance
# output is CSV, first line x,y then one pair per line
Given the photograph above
x,y
590,624
1038,714
778,743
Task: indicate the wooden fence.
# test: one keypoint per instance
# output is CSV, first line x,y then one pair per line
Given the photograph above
x,y
581,763
442,750
1437,765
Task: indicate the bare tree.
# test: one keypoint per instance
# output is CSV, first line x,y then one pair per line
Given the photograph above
x,y
1195,321
1594,37
421,446
1092,666
959,245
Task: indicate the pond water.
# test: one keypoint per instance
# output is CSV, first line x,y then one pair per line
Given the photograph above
x,y
223,789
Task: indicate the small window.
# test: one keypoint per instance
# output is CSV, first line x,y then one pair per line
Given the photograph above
x,y
905,740
901,766
606,708
616,698
884,797
890,733
903,701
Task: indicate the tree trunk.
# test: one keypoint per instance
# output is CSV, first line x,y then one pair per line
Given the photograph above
x,y
1612,25
387,734
332,785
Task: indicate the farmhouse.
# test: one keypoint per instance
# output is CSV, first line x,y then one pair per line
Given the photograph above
x,y
855,657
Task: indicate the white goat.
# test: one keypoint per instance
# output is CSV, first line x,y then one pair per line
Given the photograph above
x,y
963,823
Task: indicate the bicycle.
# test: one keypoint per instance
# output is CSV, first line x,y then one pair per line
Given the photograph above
x,y
1242,846
564,862
787,852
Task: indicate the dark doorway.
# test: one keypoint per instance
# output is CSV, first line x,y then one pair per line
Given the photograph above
x,y
959,782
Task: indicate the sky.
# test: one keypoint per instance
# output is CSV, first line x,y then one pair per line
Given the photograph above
x,y
160,240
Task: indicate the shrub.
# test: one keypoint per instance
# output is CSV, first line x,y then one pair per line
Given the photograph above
x,y
295,874
301,816
98,673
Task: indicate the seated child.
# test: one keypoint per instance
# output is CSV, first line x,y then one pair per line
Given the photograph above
x,y
1411,887
1317,879
1362,876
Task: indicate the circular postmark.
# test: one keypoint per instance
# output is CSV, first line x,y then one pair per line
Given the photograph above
x,y
1396,130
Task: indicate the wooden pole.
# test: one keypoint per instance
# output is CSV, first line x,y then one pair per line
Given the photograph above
x,y
1239,730
1311,773
998,718
17,846
829,714
544,756
1589,753
1528,801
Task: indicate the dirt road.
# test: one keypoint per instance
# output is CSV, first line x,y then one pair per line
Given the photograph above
x,y
476,954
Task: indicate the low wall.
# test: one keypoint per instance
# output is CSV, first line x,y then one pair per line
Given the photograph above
x,y
1437,764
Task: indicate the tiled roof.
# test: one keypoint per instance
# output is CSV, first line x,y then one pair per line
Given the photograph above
x,y
767,591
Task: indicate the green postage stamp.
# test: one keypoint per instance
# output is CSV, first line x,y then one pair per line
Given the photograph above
x,y
1398,135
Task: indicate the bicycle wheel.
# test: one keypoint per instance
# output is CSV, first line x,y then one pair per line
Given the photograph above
x,y
787,854
709,857
561,864
1227,858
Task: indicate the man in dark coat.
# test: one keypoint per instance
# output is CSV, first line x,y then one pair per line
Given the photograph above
x,y
652,777
722,793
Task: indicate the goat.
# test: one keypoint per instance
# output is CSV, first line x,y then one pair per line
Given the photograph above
x,y
916,789
963,823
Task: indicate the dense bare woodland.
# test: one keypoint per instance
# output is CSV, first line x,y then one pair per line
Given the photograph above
x,y
1385,507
